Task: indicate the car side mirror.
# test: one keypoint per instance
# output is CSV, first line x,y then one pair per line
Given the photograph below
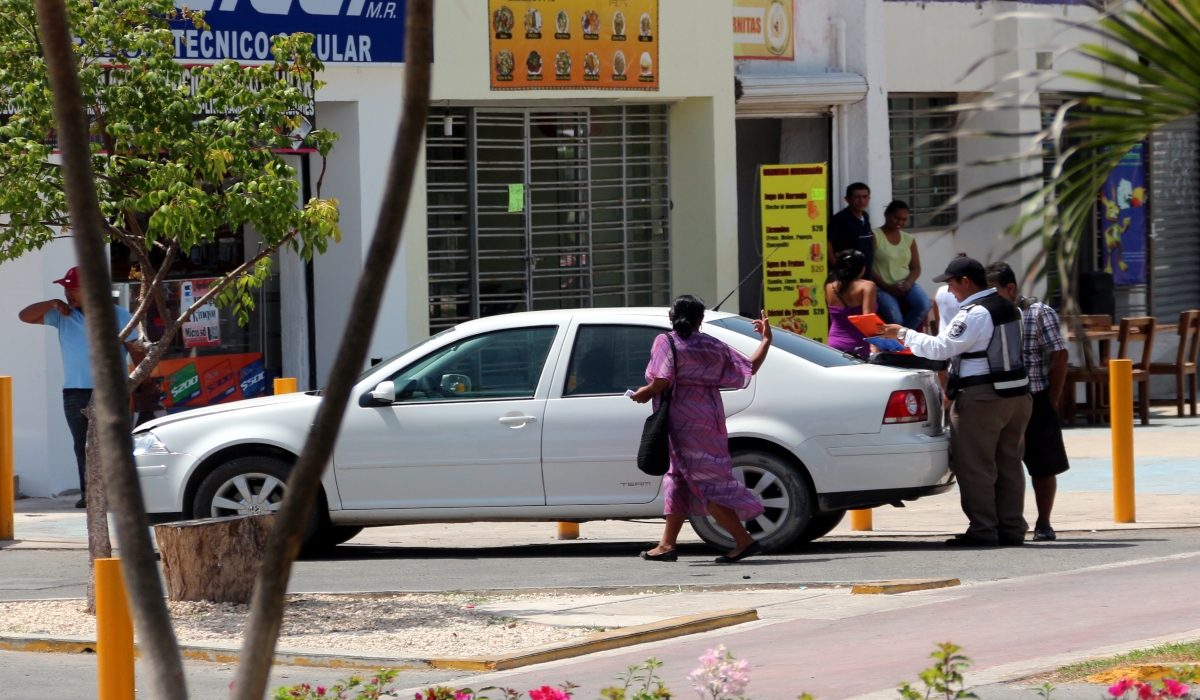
x,y
384,394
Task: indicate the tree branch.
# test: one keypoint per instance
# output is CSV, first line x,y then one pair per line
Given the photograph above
x,y
110,397
159,348
304,483
151,291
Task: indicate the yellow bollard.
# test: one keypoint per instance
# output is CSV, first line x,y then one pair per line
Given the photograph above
x,y
7,489
114,632
285,385
1120,406
861,520
568,531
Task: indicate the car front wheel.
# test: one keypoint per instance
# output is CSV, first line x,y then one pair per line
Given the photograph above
x,y
784,493
248,486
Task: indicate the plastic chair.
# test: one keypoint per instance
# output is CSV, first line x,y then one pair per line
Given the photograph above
x,y
1184,367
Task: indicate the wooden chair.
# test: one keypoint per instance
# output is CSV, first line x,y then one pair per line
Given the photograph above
x,y
1093,404
1133,330
1184,366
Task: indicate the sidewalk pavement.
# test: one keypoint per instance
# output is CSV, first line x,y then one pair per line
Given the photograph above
x,y
1168,495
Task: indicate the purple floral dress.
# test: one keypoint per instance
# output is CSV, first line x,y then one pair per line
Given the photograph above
x,y
701,469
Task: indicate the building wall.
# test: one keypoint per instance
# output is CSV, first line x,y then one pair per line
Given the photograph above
x,y
44,460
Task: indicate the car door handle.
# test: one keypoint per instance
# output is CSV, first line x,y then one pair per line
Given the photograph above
x,y
517,420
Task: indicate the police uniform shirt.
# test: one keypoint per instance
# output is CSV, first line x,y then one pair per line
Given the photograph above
x,y
970,331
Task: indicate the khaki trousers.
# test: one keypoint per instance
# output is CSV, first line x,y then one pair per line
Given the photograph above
x,y
987,441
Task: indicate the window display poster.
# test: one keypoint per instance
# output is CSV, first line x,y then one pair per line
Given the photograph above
x,y
762,29
191,382
1123,232
574,44
794,211
204,328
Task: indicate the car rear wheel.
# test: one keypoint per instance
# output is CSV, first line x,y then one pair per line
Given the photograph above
x,y
784,493
248,486
821,524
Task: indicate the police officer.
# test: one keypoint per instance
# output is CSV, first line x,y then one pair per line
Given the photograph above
x,y
990,403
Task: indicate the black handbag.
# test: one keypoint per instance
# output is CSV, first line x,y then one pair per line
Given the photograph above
x,y
654,454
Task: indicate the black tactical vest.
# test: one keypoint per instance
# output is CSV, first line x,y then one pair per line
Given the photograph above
x,y
1004,352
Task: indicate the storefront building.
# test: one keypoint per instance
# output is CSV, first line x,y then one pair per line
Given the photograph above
x,y
600,173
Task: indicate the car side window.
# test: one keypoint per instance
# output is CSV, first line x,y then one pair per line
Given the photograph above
x,y
608,359
499,365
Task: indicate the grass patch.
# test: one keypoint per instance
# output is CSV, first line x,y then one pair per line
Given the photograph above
x,y
1166,654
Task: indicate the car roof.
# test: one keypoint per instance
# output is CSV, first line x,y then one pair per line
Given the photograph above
x,y
523,318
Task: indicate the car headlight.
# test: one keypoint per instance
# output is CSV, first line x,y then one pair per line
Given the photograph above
x,y
147,443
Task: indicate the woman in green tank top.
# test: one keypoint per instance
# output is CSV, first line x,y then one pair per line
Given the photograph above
x,y
896,270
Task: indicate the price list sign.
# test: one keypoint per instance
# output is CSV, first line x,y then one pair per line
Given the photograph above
x,y
795,243
574,44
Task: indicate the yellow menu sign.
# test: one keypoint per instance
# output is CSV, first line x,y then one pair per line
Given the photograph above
x,y
794,210
574,44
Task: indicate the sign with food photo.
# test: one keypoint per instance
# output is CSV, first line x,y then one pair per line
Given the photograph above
x,y
574,44
795,244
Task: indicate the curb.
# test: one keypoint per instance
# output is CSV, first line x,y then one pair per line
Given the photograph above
x,y
903,586
333,658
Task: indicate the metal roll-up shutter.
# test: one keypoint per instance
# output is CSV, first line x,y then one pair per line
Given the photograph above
x,y
1175,212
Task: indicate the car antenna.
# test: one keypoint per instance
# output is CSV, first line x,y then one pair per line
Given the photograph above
x,y
739,284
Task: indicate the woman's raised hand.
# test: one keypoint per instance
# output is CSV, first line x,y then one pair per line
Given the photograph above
x,y
763,327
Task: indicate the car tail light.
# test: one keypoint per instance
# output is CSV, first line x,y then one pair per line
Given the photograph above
x,y
906,407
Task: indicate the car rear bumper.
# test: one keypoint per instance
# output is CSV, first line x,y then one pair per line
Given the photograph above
x,y
852,500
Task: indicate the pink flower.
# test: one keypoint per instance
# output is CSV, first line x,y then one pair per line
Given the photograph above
x,y
320,690
1121,687
1145,691
1174,688
462,695
547,693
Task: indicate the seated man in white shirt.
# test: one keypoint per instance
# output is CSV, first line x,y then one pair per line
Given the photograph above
x,y
990,405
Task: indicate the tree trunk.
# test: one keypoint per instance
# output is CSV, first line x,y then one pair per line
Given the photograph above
x,y
304,482
110,395
214,560
99,542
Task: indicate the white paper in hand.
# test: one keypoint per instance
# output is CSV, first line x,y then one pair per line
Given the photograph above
x,y
629,393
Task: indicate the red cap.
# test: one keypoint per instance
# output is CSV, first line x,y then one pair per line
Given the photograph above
x,y
71,281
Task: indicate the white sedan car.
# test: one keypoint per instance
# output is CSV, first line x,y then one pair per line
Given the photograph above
x,y
524,417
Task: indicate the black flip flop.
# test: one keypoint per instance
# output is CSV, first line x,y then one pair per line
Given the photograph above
x,y
665,556
749,551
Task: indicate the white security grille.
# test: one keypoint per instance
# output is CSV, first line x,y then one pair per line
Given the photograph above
x,y
912,118
595,226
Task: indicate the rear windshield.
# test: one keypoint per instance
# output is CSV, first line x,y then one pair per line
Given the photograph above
x,y
789,342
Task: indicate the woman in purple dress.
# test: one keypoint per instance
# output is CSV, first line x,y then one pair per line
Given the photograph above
x,y
848,294
700,480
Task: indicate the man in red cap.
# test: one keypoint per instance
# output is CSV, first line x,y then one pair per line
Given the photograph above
x,y
68,318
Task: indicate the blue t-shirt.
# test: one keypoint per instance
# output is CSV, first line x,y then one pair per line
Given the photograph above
x,y
72,341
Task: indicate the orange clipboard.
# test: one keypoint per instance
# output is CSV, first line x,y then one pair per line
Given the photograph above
x,y
868,325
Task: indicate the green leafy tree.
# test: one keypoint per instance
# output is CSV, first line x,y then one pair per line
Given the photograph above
x,y
178,154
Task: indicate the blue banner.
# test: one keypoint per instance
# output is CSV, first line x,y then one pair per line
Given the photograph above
x,y
1123,233
346,31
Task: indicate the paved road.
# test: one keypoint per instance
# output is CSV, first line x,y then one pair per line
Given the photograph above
x,y
1084,592
28,574
1015,626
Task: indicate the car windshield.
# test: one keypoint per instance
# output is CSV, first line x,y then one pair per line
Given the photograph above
x,y
375,367
791,343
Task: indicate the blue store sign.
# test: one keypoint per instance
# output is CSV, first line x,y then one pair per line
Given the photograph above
x,y
346,31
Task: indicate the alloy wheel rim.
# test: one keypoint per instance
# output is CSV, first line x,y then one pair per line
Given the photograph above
x,y
770,491
248,494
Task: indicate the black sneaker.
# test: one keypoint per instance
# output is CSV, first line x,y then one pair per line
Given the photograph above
x,y
1044,534
81,503
1012,541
